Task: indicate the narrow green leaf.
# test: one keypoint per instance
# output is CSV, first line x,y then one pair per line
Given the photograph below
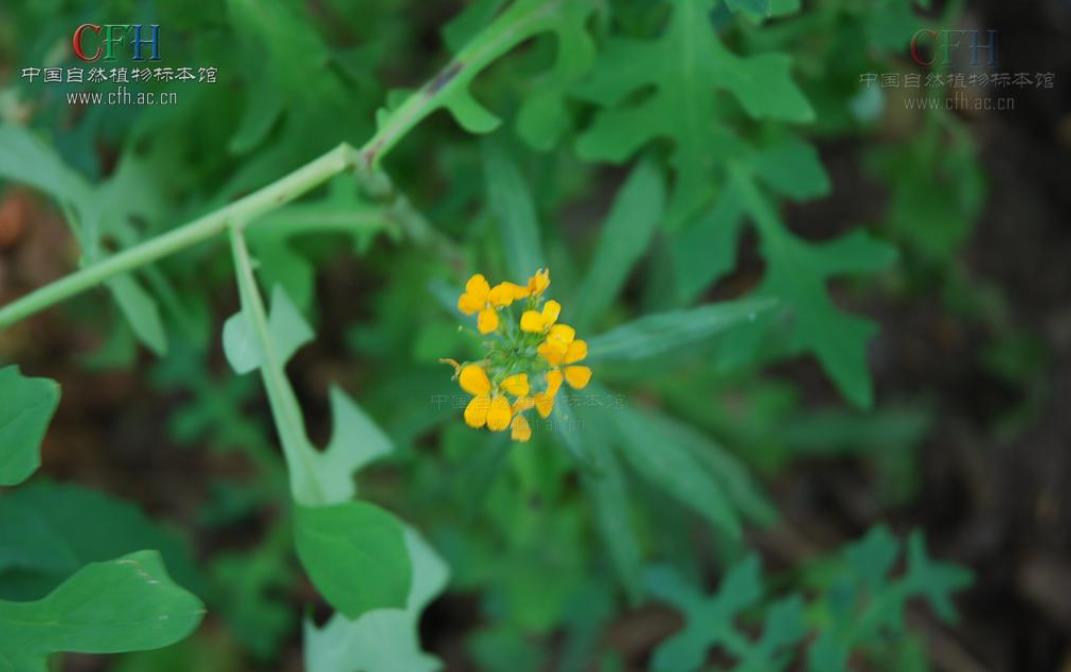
x,y
129,604
141,312
511,205
26,407
626,234
355,554
671,467
654,335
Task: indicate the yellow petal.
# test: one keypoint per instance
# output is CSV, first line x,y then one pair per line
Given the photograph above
x,y
539,282
498,416
550,312
577,351
523,404
522,431
501,295
544,403
468,304
474,380
476,411
554,382
487,321
519,292
532,322
552,351
578,376
478,288
562,333
516,385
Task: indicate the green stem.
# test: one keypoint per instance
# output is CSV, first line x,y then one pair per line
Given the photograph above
x,y
241,211
286,411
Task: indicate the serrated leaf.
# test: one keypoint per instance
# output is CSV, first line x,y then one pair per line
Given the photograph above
x,y
657,334
626,233
387,639
710,621
129,604
543,116
796,275
26,408
355,554
288,328
686,65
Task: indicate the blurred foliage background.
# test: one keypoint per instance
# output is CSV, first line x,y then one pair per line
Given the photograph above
x,y
911,380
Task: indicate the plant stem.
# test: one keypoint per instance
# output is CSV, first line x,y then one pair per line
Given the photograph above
x,y
241,211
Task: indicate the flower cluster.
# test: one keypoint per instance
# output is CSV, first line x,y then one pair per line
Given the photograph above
x,y
526,359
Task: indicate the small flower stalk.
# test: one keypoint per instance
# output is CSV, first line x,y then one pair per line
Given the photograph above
x,y
528,357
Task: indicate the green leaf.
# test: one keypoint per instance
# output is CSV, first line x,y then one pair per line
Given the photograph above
x,y
796,275
52,530
793,168
756,6
608,492
625,237
672,468
387,639
686,65
711,622
865,605
288,328
543,116
26,407
705,250
141,312
511,204
656,334
355,554
355,441
129,604
24,158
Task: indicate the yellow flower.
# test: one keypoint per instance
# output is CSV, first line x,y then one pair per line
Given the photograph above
x,y
522,431
534,322
538,283
528,365
563,348
480,296
516,385
544,401
499,414
473,379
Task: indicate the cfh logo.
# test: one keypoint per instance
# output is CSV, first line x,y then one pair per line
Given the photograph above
x,y
942,43
103,39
